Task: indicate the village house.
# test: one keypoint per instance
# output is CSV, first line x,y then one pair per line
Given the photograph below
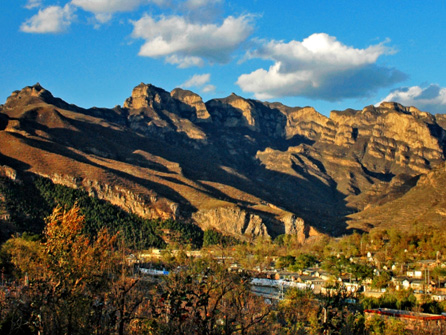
x,y
428,263
438,297
404,283
419,286
315,272
414,274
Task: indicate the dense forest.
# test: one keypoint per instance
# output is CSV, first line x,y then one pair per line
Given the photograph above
x,y
30,202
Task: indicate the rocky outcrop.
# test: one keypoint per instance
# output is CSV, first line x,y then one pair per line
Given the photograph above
x,y
238,222
231,221
296,226
148,97
183,103
155,111
149,205
237,112
29,94
191,105
308,123
35,95
8,172
245,167
391,138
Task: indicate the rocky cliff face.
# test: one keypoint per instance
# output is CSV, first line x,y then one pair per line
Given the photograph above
x,y
236,112
155,111
245,167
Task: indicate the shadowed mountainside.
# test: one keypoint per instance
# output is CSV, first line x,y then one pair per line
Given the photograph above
x,y
244,167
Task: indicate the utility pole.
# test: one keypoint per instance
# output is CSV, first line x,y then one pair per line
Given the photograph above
x,y
428,275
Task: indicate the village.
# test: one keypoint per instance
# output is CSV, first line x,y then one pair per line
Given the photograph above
x,y
420,278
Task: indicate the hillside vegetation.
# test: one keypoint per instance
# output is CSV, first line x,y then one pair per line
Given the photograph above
x,y
30,201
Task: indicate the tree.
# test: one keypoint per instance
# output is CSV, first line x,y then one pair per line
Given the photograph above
x,y
297,311
285,261
213,237
64,281
205,298
303,312
303,261
360,271
379,326
382,280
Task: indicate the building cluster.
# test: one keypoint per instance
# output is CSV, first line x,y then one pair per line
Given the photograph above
x,y
419,278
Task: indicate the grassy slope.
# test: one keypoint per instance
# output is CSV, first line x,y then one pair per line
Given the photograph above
x,y
425,203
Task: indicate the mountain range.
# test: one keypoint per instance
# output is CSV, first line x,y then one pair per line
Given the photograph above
x,y
244,167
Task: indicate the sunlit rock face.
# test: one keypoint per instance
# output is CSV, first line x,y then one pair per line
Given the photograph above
x,y
245,167
153,110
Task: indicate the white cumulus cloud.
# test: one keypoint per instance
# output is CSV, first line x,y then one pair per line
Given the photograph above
x,y
430,99
104,9
52,19
187,43
319,67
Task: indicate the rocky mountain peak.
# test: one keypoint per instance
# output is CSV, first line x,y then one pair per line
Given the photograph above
x,y
147,96
237,112
32,95
154,110
240,165
389,105
394,107
191,104
29,94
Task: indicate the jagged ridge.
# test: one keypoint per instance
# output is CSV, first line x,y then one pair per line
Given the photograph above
x,y
243,166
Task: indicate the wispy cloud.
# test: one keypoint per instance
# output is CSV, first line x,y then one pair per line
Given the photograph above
x,y
200,81
104,9
194,4
33,4
431,98
319,67
197,80
52,19
208,89
202,10
187,43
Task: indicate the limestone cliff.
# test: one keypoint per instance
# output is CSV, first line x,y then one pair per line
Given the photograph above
x,y
242,166
191,105
231,221
235,111
153,110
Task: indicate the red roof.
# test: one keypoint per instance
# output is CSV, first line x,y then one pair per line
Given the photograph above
x,y
405,314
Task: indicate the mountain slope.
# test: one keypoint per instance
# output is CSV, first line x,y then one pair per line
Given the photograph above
x,y
423,204
243,166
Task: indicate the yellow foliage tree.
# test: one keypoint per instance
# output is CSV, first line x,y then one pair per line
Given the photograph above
x,y
62,278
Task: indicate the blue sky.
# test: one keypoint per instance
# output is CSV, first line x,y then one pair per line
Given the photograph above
x,y
325,54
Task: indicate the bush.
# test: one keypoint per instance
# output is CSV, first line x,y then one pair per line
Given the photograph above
x,y
213,237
